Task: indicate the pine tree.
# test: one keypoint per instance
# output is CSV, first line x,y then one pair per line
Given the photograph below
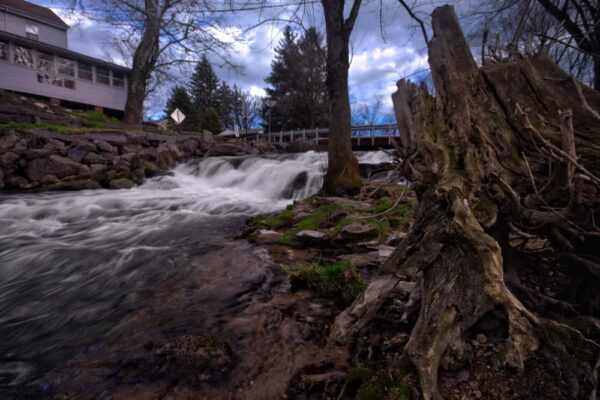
x,y
204,87
211,121
297,82
180,98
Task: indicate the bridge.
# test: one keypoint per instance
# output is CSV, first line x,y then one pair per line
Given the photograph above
x,y
363,137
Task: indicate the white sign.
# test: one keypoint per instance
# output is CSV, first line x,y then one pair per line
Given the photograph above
x,y
236,131
177,116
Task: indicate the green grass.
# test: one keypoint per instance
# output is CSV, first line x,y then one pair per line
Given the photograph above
x,y
92,116
316,220
29,125
338,281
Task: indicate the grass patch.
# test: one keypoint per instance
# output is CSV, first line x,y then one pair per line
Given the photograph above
x,y
316,220
29,125
93,116
338,281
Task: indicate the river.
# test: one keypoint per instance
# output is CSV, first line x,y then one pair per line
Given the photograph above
x,y
73,264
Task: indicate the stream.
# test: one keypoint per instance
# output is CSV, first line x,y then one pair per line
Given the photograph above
x,y
75,265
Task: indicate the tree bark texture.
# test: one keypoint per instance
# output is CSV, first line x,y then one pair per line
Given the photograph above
x,y
342,172
478,156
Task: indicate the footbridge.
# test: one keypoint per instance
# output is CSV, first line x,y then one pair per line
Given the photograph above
x,y
363,137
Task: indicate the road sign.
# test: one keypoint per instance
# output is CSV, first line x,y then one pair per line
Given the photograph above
x,y
177,116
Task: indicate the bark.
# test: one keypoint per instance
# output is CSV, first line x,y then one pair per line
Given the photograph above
x,y
342,170
144,61
473,155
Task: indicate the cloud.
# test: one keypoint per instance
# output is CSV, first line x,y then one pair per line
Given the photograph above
x,y
386,46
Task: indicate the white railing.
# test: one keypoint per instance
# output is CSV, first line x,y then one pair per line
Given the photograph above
x,y
360,134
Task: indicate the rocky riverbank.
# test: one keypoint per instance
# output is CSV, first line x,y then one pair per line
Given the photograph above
x,y
45,160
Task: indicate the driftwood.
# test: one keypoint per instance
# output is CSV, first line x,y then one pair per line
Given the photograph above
x,y
510,150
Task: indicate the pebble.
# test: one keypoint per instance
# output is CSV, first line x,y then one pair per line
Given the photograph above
x,y
481,338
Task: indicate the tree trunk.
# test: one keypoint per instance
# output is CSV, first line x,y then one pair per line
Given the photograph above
x,y
342,170
466,152
144,61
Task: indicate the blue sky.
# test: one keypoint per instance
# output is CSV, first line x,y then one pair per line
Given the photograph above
x,y
378,60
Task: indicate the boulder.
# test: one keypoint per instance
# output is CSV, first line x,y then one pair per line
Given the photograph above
x,y
8,162
312,238
357,232
54,165
20,147
103,145
98,172
49,180
7,142
132,159
95,158
38,153
148,153
165,156
225,149
265,236
131,148
121,183
20,183
80,149
150,168
1,180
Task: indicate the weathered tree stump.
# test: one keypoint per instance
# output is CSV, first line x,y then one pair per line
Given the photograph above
x,y
508,151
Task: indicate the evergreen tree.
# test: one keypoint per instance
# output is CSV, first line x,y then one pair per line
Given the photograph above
x,y
181,99
210,121
204,87
297,82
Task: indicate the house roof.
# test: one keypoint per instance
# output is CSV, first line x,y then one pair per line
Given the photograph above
x,y
33,10
23,41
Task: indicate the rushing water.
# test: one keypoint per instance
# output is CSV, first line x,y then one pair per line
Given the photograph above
x,y
73,263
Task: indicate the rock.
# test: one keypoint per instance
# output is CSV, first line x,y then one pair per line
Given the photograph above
x,y
356,232
20,147
38,153
54,165
80,149
197,354
309,237
20,182
347,203
103,145
363,260
395,238
1,180
265,236
225,149
112,138
131,148
49,180
8,162
121,183
189,147
95,158
165,157
384,252
150,168
97,172
175,151
148,153
84,171
132,159
7,142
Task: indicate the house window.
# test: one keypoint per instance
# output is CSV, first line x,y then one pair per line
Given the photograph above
x,y
31,31
4,51
66,66
118,79
85,71
50,79
23,56
103,75
45,61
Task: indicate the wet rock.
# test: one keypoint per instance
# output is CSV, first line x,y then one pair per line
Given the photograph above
x,y
98,172
356,232
266,236
20,182
1,180
225,149
132,159
95,158
148,153
164,156
150,168
121,183
206,356
312,238
54,165
38,153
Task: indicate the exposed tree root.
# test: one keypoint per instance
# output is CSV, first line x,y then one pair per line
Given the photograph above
x,y
475,155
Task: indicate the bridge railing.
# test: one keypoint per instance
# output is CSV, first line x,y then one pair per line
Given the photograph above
x,y
360,134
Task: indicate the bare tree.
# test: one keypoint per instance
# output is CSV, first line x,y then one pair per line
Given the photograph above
x,y
246,109
161,34
371,113
342,172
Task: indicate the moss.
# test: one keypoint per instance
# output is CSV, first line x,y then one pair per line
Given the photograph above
x,y
338,281
280,220
382,387
359,375
314,221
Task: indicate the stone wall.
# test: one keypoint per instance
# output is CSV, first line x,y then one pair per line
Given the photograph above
x,y
44,160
